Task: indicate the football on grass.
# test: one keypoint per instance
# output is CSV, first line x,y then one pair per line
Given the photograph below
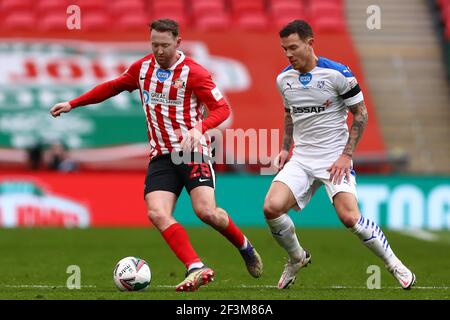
x,y
132,274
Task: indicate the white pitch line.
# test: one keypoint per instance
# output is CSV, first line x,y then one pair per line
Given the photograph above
x,y
320,288
235,287
420,234
413,288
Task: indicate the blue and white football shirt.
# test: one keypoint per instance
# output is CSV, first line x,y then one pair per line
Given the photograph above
x,y
318,102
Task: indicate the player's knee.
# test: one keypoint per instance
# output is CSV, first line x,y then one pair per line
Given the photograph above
x,y
206,213
272,209
158,218
348,213
349,219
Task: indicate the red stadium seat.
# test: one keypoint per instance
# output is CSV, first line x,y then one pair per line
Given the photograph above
x,y
318,10
47,6
132,21
179,17
290,9
329,25
123,7
52,22
213,22
7,6
168,6
96,21
240,7
89,5
207,7
338,2
19,21
278,8
281,21
162,2
257,21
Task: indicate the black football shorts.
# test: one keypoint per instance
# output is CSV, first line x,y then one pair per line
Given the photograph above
x,y
172,172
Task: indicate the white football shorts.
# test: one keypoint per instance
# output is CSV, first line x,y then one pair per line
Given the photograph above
x,y
305,175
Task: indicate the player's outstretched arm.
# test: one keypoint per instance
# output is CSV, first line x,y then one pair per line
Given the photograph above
x,y
126,81
59,108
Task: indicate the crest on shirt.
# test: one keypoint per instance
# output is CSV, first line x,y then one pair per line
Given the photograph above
x,y
320,84
178,83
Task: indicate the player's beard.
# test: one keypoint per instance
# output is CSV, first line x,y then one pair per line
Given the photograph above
x,y
165,61
162,61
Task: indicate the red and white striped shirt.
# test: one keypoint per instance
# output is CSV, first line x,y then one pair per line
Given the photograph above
x,y
173,101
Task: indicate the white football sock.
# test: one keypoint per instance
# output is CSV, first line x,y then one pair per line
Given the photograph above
x,y
244,246
373,238
195,265
283,230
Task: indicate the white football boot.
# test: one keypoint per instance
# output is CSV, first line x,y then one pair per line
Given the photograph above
x,y
290,270
404,276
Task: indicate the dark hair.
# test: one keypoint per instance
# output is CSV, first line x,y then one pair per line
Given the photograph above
x,y
164,25
300,27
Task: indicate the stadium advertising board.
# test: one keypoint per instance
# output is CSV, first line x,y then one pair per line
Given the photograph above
x,y
115,199
26,204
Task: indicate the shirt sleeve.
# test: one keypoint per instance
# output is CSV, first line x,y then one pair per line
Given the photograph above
x,y
280,90
127,81
348,88
208,93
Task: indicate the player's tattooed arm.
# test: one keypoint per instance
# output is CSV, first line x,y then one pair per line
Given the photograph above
x,y
288,131
360,118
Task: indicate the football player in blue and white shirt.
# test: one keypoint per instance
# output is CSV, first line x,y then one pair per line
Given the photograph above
x,y
317,95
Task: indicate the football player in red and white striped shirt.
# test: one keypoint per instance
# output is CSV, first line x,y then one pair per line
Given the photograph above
x,y
174,90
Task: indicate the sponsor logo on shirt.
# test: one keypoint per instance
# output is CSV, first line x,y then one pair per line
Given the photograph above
x,y
216,94
312,109
163,75
146,96
160,98
287,87
305,78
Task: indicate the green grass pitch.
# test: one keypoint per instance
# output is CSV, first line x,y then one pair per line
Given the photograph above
x,y
34,263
